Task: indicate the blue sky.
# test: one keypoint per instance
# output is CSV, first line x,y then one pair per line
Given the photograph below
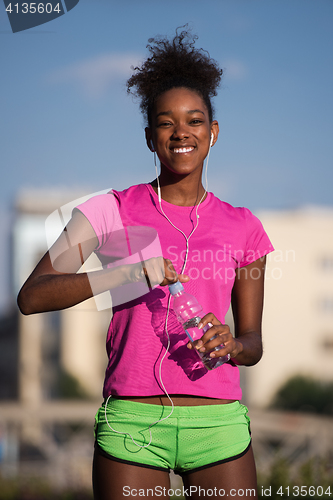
x,y
66,119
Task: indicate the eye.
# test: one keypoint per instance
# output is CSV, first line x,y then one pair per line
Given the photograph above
x,y
196,121
164,124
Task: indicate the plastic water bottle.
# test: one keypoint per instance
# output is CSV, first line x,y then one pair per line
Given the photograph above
x,y
189,313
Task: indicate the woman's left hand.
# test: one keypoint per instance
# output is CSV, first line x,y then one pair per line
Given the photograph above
x,y
247,303
222,335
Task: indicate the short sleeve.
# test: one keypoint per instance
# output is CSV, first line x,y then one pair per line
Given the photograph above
x,y
103,214
257,242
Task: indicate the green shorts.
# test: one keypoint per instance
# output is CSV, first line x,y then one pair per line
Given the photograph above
x,y
191,439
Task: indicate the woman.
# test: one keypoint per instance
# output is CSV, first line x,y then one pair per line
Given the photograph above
x,y
163,409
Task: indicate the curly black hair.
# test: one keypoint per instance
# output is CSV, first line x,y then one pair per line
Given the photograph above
x,y
175,63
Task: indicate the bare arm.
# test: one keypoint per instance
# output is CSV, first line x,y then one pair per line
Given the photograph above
x,y
247,302
54,284
247,305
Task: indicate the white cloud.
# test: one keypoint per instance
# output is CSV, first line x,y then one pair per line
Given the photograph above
x,y
235,69
94,76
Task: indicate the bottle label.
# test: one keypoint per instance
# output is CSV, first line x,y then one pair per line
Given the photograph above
x,y
194,333
192,330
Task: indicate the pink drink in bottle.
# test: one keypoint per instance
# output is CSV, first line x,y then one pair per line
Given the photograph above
x,y
189,313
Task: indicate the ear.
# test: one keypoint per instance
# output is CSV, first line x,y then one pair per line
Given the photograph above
x,y
149,140
214,130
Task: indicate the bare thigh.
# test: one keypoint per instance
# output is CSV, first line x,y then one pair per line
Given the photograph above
x,y
237,478
115,481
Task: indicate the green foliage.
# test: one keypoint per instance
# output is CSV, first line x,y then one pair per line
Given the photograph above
x,y
315,476
279,474
305,394
34,489
69,387
316,471
307,473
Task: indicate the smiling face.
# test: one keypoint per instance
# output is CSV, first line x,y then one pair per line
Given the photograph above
x,y
181,131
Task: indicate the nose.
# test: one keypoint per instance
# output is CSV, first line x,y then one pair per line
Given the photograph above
x,y
180,132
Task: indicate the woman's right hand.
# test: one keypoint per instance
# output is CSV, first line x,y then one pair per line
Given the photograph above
x,y
170,275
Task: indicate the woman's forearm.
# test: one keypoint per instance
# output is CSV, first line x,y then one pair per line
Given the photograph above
x,y
51,292
251,349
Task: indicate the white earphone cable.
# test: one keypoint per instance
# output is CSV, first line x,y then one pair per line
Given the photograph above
x,y
169,302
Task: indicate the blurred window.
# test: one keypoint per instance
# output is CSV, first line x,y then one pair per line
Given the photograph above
x,y
326,304
328,342
326,263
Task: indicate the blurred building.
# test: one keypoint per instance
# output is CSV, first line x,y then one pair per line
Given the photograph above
x,y
59,348
298,312
60,351
9,348
47,357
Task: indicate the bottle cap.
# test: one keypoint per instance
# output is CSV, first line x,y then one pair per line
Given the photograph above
x,y
176,288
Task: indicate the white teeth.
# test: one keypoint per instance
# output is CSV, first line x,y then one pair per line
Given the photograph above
x,y
183,150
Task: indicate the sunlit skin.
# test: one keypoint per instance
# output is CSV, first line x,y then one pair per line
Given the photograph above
x,y
179,120
181,133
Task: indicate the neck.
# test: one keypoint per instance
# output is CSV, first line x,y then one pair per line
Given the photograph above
x,y
182,191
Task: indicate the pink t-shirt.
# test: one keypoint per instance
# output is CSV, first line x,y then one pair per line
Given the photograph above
x,y
226,238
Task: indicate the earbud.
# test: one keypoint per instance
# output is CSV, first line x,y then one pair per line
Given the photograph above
x,y
211,140
152,145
